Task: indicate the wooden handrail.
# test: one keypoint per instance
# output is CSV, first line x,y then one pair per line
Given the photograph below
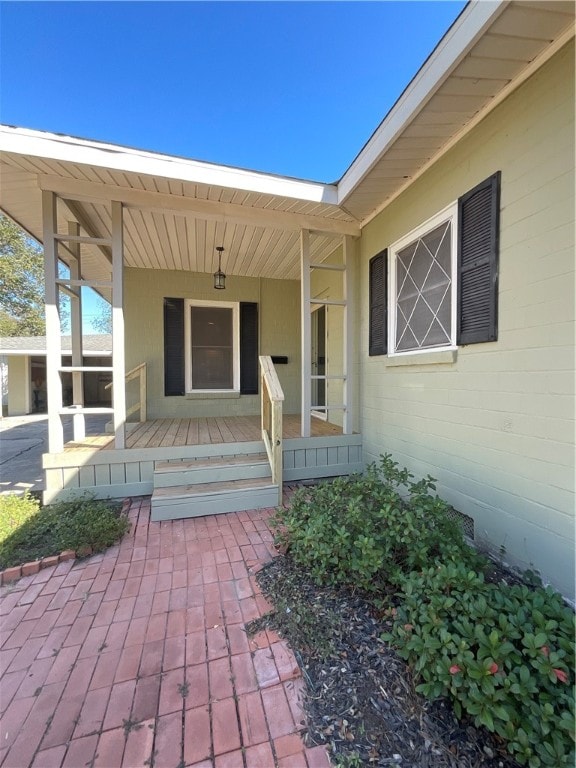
x,y
139,372
271,399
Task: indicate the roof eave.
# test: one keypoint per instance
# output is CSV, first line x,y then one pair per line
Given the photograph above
x,y
452,48
52,146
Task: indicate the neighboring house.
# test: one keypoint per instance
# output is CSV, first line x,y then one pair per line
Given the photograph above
x,y
25,373
423,305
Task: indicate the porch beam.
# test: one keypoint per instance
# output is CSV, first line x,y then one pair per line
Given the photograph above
x,y
78,238
83,219
348,356
118,354
53,341
76,331
305,332
177,205
63,282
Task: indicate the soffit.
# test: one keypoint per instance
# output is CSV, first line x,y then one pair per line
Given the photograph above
x,y
171,221
425,122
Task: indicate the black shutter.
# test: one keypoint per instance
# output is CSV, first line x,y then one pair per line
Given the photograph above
x,y
249,348
478,242
378,291
174,347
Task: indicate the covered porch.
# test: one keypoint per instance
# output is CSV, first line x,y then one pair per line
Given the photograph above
x,y
200,465
277,377
211,430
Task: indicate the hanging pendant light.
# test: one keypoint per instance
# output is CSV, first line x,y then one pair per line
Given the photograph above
x,y
219,276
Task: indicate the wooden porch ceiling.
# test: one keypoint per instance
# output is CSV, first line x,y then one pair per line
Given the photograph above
x,y
175,211
168,433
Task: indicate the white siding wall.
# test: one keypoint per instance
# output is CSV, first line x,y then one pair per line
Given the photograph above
x,y
496,427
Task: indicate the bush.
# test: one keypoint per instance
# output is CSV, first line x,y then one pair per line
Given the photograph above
x,y
15,511
504,655
368,530
28,532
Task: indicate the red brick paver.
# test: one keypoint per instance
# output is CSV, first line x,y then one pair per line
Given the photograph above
x,y
139,655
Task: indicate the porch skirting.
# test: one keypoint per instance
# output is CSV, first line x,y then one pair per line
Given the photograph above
x,y
110,473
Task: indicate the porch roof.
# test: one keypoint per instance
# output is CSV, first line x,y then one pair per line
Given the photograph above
x,y
179,210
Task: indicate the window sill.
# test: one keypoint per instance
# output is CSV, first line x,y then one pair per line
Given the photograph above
x,y
441,357
215,395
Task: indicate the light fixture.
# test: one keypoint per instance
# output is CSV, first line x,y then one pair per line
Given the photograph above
x,y
219,276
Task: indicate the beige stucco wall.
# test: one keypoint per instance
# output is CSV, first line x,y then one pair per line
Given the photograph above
x,y
18,385
496,427
279,320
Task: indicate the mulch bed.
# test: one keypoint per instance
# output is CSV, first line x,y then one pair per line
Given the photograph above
x,y
361,701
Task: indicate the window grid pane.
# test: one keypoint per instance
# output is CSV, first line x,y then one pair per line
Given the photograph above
x,y
212,348
423,291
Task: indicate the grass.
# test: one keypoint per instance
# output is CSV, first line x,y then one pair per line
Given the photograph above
x,y
29,532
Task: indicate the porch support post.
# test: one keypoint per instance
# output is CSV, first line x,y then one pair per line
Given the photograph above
x,y
53,341
118,365
76,331
348,356
306,331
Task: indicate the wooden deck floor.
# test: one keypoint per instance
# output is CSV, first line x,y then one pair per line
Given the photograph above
x,y
167,433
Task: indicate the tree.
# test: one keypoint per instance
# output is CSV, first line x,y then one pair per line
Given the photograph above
x,y
21,282
102,322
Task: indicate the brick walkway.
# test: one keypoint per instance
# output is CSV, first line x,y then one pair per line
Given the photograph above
x,y
138,657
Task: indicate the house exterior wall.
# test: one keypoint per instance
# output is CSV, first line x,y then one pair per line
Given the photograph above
x,y
18,385
279,334
496,425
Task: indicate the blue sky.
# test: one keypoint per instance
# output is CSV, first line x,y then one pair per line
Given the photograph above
x,y
293,88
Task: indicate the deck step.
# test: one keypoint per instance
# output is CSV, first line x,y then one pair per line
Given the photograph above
x,y
212,469
197,499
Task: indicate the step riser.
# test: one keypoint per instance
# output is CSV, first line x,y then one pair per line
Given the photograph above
x,y
210,475
214,504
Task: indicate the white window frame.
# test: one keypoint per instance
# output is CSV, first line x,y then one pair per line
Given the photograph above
x,y
450,213
235,307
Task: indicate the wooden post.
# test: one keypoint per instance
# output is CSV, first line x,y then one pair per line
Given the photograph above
x,y
277,450
306,331
349,247
76,333
118,366
53,342
143,394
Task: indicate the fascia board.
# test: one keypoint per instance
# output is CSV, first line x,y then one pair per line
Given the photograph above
x,y
49,146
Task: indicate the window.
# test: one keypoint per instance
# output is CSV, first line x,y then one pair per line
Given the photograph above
x,y
212,349
210,346
422,286
440,281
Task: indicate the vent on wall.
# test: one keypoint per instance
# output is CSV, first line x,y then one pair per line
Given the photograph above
x,y
465,521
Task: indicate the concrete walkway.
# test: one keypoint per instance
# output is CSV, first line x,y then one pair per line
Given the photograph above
x,y
138,656
23,440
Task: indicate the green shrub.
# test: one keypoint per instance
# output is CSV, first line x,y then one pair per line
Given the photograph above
x,y
28,532
367,530
504,655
